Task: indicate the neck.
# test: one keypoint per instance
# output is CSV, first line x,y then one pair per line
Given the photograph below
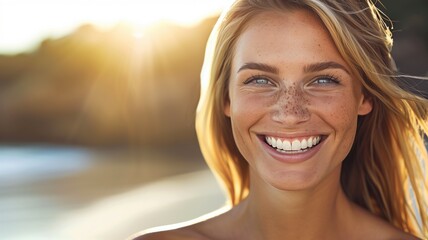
x,y
315,213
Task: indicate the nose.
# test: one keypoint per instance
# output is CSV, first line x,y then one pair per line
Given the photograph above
x,y
291,107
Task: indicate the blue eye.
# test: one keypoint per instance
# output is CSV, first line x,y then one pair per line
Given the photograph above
x,y
326,80
258,80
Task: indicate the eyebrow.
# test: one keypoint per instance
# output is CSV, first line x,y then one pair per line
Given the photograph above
x,y
315,67
259,66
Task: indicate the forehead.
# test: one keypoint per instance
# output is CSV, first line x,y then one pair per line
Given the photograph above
x,y
296,36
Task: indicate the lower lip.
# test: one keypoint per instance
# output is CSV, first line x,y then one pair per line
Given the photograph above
x,y
291,157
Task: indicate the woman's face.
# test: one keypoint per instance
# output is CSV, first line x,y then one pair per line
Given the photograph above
x,y
293,102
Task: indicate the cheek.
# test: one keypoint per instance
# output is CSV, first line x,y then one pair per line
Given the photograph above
x,y
248,106
339,110
341,115
246,110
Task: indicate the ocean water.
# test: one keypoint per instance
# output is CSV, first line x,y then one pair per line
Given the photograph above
x,y
27,208
58,192
29,164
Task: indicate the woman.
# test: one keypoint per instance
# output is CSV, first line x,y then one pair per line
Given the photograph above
x,y
303,121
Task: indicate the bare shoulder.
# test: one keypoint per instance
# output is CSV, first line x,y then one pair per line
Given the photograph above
x,y
400,235
176,234
393,233
374,227
203,228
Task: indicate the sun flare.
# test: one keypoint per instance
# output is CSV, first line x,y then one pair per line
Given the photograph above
x,y
53,18
174,11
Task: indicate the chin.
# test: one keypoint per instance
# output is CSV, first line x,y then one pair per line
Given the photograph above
x,y
300,179
292,181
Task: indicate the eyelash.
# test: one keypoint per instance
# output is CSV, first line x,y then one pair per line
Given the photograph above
x,y
333,79
330,78
258,77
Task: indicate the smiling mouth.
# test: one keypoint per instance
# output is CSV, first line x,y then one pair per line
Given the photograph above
x,y
293,146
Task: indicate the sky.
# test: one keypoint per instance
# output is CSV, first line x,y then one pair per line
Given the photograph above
x,y
24,23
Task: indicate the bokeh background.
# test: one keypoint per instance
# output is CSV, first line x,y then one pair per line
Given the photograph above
x,y
97,107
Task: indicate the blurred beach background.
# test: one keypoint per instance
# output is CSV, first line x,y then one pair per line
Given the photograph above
x,y
97,108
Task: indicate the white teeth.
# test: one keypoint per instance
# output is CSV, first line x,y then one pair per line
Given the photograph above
x,y
274,143
279,144
287,146
296,145
310,142
303,144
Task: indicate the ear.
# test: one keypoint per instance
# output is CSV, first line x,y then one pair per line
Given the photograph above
x,y
227,107
366,105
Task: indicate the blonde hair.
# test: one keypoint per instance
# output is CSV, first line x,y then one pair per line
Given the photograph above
x,y
385,165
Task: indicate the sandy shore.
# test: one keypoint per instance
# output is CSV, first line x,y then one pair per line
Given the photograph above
x,y
117,193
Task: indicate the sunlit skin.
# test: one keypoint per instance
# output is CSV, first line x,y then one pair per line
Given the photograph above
x,y
289,81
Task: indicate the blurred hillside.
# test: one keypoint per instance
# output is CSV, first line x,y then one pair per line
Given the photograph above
x,y
105,88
